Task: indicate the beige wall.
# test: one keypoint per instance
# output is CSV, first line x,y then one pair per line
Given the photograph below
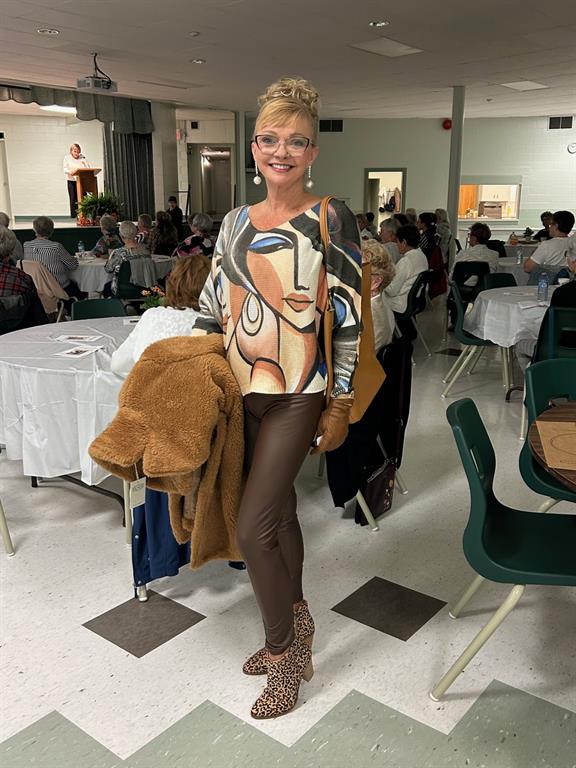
x,y
164,153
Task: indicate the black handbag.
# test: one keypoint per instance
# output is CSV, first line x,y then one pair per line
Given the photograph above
x,y
377,490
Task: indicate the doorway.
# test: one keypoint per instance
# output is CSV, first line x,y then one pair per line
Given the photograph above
x,y
384,192
210,179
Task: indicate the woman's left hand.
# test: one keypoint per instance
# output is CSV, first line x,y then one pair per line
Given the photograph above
x,y
333,425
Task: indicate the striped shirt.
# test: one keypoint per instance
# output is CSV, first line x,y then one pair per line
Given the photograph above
x,y
54,256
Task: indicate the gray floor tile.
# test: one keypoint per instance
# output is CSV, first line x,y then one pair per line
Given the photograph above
x,y
55,742
508,728
390,607
141,627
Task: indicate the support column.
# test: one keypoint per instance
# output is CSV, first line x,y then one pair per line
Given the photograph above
x,y
458,99
240,131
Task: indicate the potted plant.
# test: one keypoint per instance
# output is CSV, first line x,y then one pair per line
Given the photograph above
x,y
92,207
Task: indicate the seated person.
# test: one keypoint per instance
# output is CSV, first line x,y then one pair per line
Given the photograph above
x,y
15,282
18,252
477,251
110,238
164,237
544,233
412,263
144,225
552,253
176,318
563,296
200,241
370,223
53,255
382,274
365,233
388,230
130,249
429,237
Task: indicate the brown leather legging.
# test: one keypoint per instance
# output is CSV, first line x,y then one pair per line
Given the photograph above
x,y
279,430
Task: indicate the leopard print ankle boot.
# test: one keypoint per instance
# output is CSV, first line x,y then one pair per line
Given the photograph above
x,y
283,683
304,628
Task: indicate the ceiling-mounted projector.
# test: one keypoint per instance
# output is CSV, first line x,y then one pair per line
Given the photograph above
x,y
98,81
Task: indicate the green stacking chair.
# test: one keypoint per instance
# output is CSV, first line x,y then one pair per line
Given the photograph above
x,y
545,381
473,345
415,304
126,290
498,280
91,308
502,544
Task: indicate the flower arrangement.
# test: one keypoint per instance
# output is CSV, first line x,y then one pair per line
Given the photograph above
x,y
154,297
92,207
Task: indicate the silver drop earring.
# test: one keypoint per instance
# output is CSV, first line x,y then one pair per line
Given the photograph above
x,y
309,183
257,178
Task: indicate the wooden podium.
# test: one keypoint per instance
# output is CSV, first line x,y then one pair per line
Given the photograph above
x,y
87,181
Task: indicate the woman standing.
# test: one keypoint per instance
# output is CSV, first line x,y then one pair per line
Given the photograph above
x,y
267,291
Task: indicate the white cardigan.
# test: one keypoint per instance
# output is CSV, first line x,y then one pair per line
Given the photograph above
x,y
155,324
407,270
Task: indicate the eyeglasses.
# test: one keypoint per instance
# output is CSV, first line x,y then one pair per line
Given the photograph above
x,y
268,144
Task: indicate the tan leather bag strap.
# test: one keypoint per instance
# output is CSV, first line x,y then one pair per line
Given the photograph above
x,y
328,319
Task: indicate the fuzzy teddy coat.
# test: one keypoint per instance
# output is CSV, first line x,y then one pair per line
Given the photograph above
x,y
180,422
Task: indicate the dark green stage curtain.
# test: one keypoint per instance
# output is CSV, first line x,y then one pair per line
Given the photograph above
x,y
128,170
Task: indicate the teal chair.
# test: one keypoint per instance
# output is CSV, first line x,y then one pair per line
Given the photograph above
x,y
415,304
498,280
502,544
545,381
92,308
126,290
473,346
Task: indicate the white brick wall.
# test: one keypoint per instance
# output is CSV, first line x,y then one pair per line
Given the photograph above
x,y
35,149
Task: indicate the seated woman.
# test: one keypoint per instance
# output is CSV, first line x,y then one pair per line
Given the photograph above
x,y
164,238
382,275
130,249
109,239
200,241
412,263
176,318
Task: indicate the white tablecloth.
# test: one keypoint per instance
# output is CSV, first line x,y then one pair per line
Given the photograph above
x,y
527,249
91,276
506,315
51,408
510,265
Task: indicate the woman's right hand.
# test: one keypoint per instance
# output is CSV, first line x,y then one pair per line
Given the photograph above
x,y
333,425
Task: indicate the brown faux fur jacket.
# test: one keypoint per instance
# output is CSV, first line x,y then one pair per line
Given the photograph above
x,y
180,422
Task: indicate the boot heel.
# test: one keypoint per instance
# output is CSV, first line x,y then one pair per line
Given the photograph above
x,y
308,672
309,640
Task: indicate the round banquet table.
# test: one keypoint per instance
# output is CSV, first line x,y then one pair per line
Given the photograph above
x,y
91,277
507,315
51,408
566,413
526,248
510,265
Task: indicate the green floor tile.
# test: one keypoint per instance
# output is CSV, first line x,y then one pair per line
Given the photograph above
x,y
55,742
360,731
508,728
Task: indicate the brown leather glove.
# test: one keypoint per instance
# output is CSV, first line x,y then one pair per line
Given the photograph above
x,y
333,424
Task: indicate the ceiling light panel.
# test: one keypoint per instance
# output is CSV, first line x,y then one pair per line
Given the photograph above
x,y
384,46
524,85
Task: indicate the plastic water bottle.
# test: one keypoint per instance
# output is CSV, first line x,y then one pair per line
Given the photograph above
x,y
81,247
543,287
519,256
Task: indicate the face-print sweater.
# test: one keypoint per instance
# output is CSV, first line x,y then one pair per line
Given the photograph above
x,y
267,292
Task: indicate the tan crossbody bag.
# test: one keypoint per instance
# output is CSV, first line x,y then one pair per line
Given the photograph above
x,y
369,375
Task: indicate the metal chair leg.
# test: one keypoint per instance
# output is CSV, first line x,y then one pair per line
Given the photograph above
x,y
127,513
467,595
460,371
321,464
478,356
548,504
402,487
481,638
5,533
421,337
459,359
367,514
524,422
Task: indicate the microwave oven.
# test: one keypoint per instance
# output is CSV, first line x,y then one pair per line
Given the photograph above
x,y
492,209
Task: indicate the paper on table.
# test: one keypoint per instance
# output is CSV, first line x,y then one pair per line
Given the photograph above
x,y
76,337
77,352
130,320
532,304
559,443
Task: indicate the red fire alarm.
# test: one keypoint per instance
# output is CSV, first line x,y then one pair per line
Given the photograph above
x,y
447,124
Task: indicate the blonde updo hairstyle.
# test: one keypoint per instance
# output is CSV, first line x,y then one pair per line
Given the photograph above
x,y
287,100
380,262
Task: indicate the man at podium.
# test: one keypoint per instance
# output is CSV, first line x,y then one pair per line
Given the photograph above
x,y
73,160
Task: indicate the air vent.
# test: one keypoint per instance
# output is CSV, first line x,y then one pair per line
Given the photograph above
x,y
194,125
559,122
331,126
